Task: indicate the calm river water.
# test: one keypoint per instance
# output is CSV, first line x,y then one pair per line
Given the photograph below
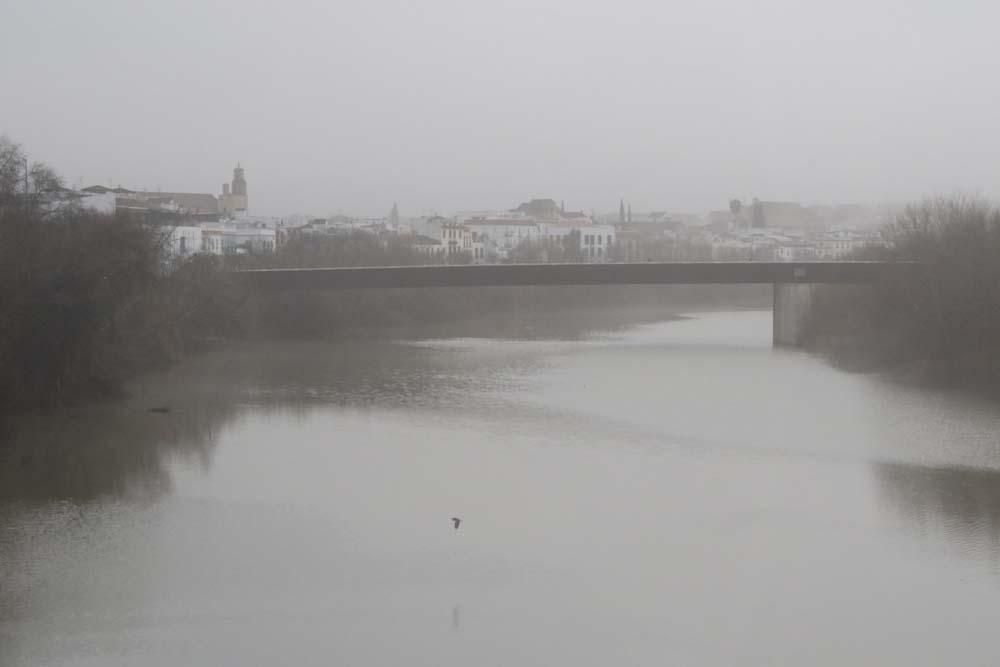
x,y
673,493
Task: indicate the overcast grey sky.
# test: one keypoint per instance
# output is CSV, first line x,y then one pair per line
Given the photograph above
x,y
441,105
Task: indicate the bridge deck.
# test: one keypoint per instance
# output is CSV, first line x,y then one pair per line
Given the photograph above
x,y
646,273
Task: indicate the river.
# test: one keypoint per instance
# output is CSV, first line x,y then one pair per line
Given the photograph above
x,y
671,493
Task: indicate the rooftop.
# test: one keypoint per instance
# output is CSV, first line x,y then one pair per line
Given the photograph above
x,y
502,221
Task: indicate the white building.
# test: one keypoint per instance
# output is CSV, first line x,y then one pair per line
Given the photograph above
x,y
252,241
596,241
731,248
456,238
490,214
429,225
227,239
839,244
556,232
453,241
430,246
98,202
504,234
184,241
795,251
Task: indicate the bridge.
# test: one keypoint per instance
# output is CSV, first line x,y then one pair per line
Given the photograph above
x,y
792,281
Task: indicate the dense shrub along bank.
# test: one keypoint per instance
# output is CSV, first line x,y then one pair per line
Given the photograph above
x,y
85,302
942,324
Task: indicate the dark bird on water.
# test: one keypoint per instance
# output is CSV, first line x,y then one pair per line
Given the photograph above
x,y
455,520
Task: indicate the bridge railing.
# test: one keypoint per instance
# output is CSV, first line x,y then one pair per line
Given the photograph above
x,y
639,273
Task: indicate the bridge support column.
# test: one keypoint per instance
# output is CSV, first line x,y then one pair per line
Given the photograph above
x,y
791,305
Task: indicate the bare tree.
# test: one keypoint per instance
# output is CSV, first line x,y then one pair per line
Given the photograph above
x,y
12,168
757,214
22,179
735,206
44,178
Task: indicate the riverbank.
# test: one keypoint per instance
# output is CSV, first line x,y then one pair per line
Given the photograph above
x,y
89,301
941,327
175,412
975,373
503,313
606,482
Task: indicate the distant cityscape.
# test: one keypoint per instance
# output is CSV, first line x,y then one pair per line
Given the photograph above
x,y
539,230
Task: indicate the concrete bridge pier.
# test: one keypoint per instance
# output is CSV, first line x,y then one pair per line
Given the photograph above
x,y
791,305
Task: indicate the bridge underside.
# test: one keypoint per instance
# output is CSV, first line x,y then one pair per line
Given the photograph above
x,y
512,275
792,282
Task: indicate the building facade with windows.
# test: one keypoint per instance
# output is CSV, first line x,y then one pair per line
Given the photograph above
x,y
596,242
502,235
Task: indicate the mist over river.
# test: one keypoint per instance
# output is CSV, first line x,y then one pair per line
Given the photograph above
x,y
674,492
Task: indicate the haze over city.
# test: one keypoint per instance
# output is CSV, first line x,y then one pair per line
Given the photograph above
x,y
449,105
444,333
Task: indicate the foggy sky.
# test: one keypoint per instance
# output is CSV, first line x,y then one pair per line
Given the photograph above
x,y
444,105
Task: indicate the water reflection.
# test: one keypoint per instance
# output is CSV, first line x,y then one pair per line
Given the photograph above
x,y
110,453
113,450
956,507
124,449
628,483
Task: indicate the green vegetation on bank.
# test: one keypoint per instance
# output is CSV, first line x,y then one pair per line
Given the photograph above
x,y
942,325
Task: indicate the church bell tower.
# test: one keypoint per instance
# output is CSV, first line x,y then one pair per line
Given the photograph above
x,y
234,199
